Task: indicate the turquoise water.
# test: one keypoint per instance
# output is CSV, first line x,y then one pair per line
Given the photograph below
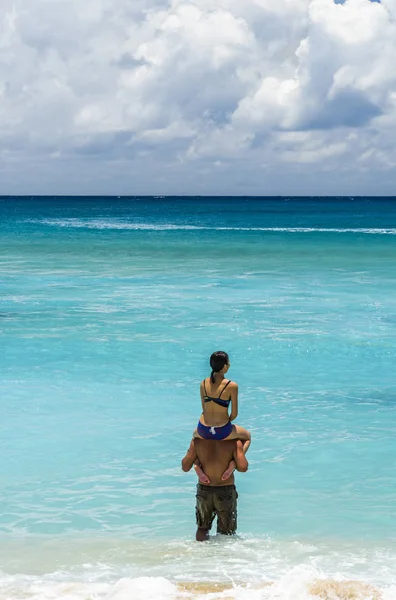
x,y
110,308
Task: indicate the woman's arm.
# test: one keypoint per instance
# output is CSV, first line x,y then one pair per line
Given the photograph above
x,y
234,401
202,392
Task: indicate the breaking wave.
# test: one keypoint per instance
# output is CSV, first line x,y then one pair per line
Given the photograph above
x,y
110,224
297,584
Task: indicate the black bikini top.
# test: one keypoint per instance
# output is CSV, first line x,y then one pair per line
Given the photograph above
x,y
219,401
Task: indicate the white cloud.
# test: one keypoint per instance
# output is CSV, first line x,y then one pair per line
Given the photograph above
x,y
252,94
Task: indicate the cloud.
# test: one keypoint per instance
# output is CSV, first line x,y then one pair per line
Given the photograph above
x,y
197,97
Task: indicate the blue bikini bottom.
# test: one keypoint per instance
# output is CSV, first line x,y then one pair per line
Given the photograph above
x,y
214,433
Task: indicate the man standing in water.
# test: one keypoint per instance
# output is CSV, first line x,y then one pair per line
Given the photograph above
x,y
216,498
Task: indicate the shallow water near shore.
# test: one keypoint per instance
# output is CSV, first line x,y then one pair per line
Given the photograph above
x,y
109,311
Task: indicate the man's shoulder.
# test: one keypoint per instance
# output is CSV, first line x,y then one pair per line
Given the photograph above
x,y
199,442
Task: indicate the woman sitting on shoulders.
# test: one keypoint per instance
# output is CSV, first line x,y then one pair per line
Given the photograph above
x,y
217,393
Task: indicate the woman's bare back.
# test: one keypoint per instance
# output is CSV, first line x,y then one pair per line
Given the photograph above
x,y
216,398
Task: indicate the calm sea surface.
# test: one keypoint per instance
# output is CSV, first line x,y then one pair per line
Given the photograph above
x,y
109,311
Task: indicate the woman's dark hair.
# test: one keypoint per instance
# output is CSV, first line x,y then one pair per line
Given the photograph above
x,y
218,360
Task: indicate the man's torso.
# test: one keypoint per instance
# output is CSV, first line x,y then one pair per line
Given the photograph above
x,y
214,457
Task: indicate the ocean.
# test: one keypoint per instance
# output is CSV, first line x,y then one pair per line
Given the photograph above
x,y
110,309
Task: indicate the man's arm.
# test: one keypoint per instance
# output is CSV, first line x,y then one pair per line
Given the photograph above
x,y
190,457
240,458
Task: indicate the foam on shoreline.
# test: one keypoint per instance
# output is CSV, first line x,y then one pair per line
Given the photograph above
x,y
296,585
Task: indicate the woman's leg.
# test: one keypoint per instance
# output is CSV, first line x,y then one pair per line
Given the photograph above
x,y
197,436
203,478
238,433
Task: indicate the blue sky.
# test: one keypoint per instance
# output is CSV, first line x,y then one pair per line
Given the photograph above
x,y
198,97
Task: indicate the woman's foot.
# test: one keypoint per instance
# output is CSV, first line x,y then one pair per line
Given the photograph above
x,y
203,478
229,471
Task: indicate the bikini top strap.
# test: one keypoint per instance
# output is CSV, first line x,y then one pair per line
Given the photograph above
x,y
229,381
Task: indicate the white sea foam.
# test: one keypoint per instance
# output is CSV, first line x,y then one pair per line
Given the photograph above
x,y
114,224
298,584
120,568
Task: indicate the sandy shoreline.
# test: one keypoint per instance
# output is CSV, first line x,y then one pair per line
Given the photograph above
x,y
324,589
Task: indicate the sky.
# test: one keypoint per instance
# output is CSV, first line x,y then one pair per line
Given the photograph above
x,y
198,97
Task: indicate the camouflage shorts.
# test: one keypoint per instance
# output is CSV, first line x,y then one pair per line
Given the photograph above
x,y
220,501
